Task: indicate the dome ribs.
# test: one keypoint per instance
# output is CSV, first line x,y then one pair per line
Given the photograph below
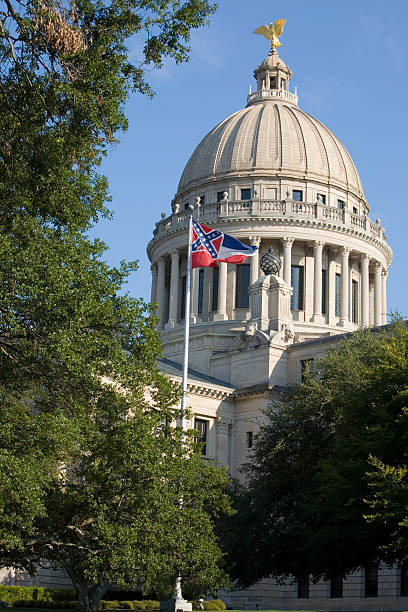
x,y
225,149
300,149
312,161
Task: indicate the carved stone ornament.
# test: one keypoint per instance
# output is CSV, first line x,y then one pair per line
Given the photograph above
x,y
270,263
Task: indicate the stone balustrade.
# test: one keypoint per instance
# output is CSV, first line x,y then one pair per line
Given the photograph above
x,y
264,94
280,209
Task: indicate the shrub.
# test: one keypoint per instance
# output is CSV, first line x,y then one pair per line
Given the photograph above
x,y
12,594
126,605
43,603
214,604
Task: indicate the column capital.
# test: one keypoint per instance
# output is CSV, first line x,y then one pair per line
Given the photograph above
x,y
153,268
255,240
384,273
345,250
364,257
378,265
160,260
318,245
175,254
287,242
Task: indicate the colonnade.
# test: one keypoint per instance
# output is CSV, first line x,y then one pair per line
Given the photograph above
x,y
372,298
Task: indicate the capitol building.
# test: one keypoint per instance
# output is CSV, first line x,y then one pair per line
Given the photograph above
x,y
275,177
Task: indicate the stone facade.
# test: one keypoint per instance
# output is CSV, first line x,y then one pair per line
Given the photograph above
x,y
273,177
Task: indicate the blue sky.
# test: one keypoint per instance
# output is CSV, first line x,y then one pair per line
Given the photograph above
x,y
349,62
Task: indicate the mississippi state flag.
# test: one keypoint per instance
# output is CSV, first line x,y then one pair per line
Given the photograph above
x,y
211,246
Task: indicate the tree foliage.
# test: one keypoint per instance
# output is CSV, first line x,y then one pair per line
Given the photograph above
x,y
76,353
303,509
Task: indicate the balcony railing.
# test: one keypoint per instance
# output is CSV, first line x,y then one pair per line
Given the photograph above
x,y
264,94
280,209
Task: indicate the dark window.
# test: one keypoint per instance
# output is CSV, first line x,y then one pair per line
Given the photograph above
x,y
297,282
183,297
371,580
216,274
202,427
355,211
337,303
404,580
336,586
303,366
297,195
272,83
220,196
186,205
340,204
303,587
324,291
354,301
202,200
245,194
249,439
200,290
323,197
241,287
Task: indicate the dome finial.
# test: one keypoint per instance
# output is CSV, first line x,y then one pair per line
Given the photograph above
x,y
272,32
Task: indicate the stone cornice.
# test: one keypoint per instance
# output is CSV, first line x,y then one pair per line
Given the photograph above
x,y
254,222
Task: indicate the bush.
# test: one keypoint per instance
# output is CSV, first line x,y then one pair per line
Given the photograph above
x,y
126,605
214,604
12,594
43,603
144,604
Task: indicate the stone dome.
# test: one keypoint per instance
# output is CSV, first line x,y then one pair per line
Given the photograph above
x,y
272,137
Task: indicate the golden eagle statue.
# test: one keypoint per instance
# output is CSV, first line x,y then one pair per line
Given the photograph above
x,y
272,32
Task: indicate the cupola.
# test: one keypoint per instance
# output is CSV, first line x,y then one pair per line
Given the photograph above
x,y
272,78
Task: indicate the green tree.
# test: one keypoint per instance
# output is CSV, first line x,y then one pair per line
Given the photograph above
x,y
66,329
302,510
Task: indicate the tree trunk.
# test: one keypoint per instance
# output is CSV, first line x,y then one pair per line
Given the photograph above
x,y
89,594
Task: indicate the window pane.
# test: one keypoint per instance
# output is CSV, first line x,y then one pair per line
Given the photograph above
x,y
202,200
245,194
404,580
303,587
249,439
324,291
297,195
338,289
336,586
340,204
216,273
202,427
322,198
220,196
200,290
297,282
371,580
241,287
354,301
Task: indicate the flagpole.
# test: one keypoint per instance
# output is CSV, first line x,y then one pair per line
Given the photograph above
x,y
181,603
184,379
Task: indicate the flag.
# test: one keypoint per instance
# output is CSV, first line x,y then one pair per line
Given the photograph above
x,y
209,246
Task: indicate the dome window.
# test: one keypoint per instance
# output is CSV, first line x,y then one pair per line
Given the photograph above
x,y
355,211
202,200
321,198
242,286
272,83
297,195
186,205
220,196
340,204
245,194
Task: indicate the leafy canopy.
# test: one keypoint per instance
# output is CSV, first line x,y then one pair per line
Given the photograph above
x,y
311,472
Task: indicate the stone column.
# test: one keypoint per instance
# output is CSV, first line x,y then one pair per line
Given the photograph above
x,y
254,260
153,296
194,295
161,269
287,259
377,294
331,307
221,314
174,290
317,284
365,290
384,296
344,303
